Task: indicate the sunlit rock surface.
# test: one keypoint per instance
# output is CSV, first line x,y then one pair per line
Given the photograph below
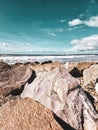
x,y
90,75
60,92
26,114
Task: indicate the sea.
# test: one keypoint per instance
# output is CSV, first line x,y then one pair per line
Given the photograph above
x,y
14,58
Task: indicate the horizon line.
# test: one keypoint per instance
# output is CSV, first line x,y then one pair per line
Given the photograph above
x,y
44,54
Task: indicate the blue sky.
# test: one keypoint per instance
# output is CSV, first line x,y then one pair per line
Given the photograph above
x,y
48,26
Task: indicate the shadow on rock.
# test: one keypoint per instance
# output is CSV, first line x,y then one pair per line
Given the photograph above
x,y
64,125
76,73
91,99
18,91
33,76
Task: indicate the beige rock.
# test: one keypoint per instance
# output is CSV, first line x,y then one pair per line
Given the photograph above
x,y
90,75
96,88
37,68
60,92
13,77
26,114
76,68
80,65
45,67
49,67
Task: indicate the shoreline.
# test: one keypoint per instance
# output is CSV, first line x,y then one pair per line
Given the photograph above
x,y
11,59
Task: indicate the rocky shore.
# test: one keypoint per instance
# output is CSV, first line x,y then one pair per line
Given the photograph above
x,y
48,96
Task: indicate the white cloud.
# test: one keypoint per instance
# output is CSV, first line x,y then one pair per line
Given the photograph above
x,y
75,22
75,27
91,22
85,44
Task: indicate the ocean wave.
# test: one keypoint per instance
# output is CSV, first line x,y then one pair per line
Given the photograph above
x,y
63,58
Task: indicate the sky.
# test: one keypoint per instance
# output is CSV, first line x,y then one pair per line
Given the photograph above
x,y
48,26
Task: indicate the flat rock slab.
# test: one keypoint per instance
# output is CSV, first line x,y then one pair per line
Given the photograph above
x,y
60,92
26,114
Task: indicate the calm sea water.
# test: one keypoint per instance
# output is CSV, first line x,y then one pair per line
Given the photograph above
x,y
41,58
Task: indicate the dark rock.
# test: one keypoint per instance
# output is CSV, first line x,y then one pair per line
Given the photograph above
x,y
35,63
27,63
47,62
75,72
17,64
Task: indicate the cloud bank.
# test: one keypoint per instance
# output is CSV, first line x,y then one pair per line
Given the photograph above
x,y
27,48
86,44
91,22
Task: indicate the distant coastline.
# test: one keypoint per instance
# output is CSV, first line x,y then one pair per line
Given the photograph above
x,y
45,54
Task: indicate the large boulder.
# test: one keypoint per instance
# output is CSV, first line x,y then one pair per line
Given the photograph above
x,y
13,77
26,114
60,92
90,75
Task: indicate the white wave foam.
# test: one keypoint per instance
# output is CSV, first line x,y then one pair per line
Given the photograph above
x,y
23,59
